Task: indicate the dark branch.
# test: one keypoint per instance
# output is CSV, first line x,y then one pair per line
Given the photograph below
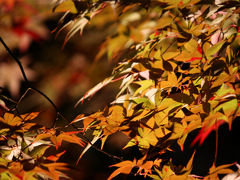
x,y
49,100
16,59
26,79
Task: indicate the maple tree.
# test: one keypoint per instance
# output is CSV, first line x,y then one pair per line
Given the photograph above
x,y
178,64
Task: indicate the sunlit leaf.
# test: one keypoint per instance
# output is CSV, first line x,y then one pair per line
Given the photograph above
x,y
124,167
39,151
95,89
65,6
29,116
11,120
214,49
144,85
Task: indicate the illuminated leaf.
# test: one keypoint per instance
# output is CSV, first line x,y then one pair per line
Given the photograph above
x,y
144,85
132,142
65,6
70,138
146,138
214,49
39,151
205,131
161,132
178,131
223,169
29,116
95,89
11,120
124,167
170,55
166,172
191,45
55,157
161,118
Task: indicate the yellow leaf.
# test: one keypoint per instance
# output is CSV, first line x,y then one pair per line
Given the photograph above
x,y
195,122
144,85
178,177
161,132
178,131
66,6
147,137
164,21
11,120
166,172
181,141
172,79
179,114
191,45
214,171
132,142
143,114
116,115
170,55
161,118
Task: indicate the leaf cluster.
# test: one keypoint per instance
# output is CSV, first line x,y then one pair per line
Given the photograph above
x,y
178,64
24,146
179,68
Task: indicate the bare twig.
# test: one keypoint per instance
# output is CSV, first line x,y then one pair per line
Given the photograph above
x,y
15,58
30,87
26,80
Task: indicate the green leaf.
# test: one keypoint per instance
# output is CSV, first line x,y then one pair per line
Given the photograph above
x,y
145,102
214,49
38,151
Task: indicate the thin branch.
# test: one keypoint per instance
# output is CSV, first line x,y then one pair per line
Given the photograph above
x,y
26,79
48,99
99,150
15,58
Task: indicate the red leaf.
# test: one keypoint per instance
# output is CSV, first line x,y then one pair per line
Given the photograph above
x,y
193,59
204,132
180,3
156,33
212,98
199,49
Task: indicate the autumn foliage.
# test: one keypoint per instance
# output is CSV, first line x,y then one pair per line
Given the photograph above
x,y
177,62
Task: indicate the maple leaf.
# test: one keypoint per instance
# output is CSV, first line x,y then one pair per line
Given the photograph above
x,y
11,120
124,167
